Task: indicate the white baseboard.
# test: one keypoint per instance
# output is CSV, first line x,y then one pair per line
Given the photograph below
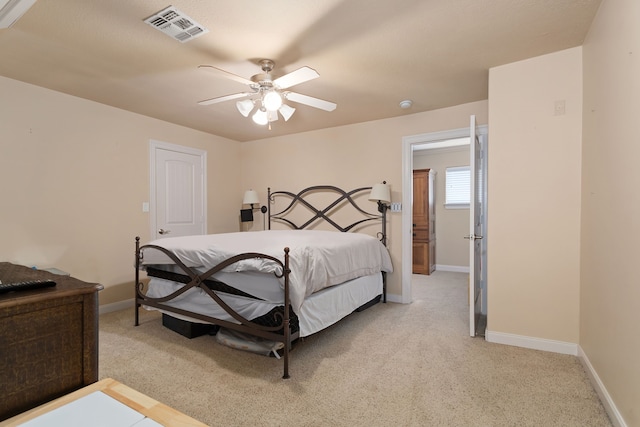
x,y
532,343
453,268
394,298
116,306
563,348
605,397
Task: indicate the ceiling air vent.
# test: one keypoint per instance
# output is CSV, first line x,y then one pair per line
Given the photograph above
x,y
176,24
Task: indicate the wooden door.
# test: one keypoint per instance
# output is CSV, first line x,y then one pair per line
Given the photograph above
x,y
424,240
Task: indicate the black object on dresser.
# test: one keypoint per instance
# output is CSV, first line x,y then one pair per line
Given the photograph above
x,y
48,338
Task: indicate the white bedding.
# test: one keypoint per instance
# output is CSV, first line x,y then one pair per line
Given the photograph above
x,y
318,259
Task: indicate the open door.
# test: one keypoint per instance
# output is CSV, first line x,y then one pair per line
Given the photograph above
x,y
476,231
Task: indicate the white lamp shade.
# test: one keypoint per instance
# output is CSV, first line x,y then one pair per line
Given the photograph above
x,y
260,117
286,111
272,101
250,197
245,106
380,192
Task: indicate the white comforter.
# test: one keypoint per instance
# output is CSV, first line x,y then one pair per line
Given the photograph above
x,y
318,259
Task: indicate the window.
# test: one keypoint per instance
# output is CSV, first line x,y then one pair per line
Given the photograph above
x,y
457,187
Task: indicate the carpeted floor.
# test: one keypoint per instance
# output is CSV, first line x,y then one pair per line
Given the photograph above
x,y
393,364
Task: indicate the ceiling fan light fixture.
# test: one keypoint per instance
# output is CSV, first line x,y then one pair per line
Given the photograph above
x,y
286,111
245,107
272,101
272,116
268,95
260,117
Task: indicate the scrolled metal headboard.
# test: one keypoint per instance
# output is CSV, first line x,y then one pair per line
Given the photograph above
x,y
318,214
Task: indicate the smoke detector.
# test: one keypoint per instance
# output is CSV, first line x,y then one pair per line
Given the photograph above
x,y
407,103
176,24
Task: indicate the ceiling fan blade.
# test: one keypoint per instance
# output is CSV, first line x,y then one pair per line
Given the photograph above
x,y
296,77
310,101
226,74
224,98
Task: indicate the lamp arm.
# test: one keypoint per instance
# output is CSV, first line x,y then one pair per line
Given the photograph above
x,y
382,208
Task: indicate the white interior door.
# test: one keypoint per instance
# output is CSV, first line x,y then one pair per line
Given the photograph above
x,y
178,194
476,228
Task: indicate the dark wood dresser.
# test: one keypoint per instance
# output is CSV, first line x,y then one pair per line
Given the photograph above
x,y
48,339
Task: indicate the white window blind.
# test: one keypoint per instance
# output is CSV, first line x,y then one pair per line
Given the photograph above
x,y
458,187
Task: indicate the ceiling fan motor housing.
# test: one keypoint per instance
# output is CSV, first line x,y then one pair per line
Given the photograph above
x,y
267,65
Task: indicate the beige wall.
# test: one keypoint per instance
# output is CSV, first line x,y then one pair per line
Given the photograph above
x,y
451,224
74,175
610,292
84,175
349,157
533,215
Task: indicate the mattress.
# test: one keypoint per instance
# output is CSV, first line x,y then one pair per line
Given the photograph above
x,y
318,259
255,285
317,312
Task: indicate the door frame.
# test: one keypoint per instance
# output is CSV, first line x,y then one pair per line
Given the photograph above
x,y
155,145
411,143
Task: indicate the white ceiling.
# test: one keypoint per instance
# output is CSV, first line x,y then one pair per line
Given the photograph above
x,y
370,54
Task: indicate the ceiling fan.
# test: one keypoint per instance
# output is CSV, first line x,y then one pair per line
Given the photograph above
x,y
267,94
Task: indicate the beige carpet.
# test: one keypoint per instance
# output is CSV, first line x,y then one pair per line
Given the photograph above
x,y
391,365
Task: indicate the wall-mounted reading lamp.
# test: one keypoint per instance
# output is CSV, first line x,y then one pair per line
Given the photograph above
x,y
250,198
381,193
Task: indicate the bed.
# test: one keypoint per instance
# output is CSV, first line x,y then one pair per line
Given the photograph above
x,y
302,274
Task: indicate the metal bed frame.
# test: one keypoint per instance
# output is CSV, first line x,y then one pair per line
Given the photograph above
x,y
322,213
245,325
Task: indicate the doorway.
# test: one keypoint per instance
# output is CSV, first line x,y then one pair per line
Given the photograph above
x,y
432,141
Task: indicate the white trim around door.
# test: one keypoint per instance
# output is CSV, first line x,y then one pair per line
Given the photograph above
x,y
410,144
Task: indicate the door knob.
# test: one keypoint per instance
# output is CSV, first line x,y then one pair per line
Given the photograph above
x,y
163,231
473,237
